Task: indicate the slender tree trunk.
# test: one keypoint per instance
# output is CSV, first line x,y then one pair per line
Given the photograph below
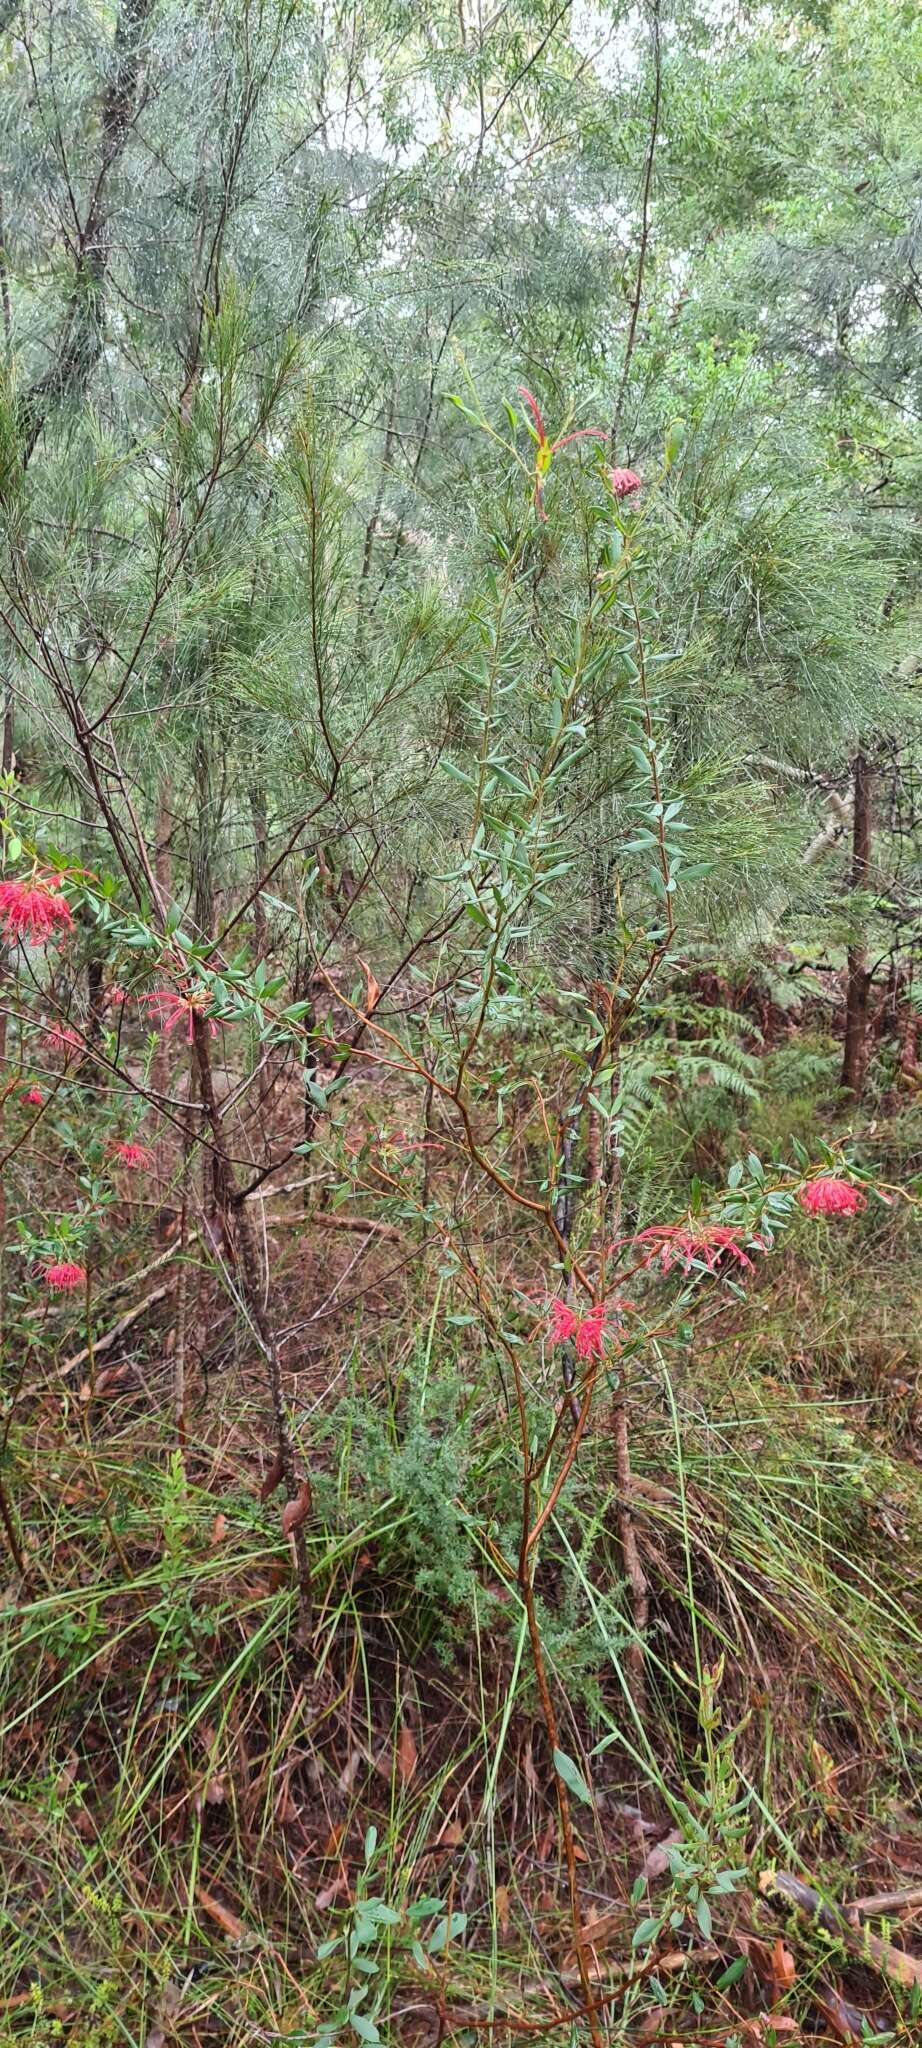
x,y
5,1512
218,1181
910,1026
630,1550
203,907
261,856
303,992
161,1072
182,1293
95,975
8,732
855,1054
233,1215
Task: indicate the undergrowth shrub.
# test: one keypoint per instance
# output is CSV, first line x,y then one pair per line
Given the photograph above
x,y
409,1455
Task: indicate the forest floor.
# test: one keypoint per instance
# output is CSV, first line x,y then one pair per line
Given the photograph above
x,y
206,1843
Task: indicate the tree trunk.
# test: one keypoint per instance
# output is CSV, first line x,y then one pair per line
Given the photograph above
x,y
296,1482
161,1073
259,815
855,1054
635,1655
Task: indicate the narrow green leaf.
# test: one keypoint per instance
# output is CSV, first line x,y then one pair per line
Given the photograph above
x,y
572,1776
732,1974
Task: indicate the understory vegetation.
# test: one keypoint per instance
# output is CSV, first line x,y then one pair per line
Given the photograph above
x,y
460,917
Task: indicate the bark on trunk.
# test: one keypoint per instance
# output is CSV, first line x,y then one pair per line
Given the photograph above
x,y
259,816
296,1483
630,1550
855,1054
161,1072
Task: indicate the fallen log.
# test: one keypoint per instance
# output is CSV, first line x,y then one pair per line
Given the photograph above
x,y
785,1891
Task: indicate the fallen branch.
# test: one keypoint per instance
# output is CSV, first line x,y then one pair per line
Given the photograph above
x,y
322,1219
119,1285
784,1891
104,1343
884,1902
132,1315
483,2014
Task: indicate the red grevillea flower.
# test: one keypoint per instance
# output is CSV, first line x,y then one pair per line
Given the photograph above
x,y
65,1275
130,1154
828,1196
588,1331
590,1335
624,481
33,1095
564,1322
62,1038
545,448
680,1244
34,910
171,1006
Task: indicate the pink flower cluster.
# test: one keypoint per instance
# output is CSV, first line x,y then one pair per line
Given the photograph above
x,y
170,1006
624,481
587,1332
828,1196
132,1155
714,1245
64,1276
34,911
63,1038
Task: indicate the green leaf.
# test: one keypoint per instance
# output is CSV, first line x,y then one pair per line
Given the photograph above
x,y
646,1932
379,1914
365,2029
447,1929
572,1776
704,1917
675,441
453,399
732,1974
